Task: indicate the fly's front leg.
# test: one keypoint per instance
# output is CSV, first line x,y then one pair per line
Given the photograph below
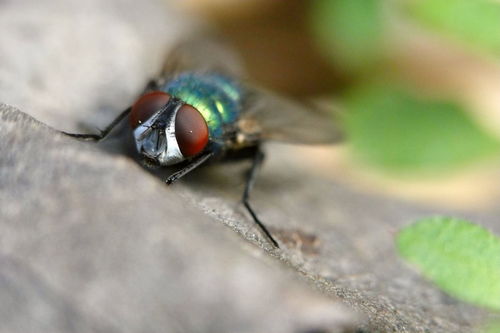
x,y
104,133
151,85
258,158
188,168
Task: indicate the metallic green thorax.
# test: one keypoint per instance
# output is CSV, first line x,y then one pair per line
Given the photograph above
x,y
216,97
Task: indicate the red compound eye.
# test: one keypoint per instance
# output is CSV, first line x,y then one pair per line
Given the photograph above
x,y
191,131
146,106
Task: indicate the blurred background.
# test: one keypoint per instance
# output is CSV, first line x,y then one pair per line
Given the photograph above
x,y
418,82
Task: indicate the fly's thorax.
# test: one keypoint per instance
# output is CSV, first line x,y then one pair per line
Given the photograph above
x,y
170,133
216,97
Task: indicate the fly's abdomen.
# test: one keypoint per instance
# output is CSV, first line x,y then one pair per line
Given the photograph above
x,y
216,97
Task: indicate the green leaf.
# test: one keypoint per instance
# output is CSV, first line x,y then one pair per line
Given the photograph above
x,y
476,22
394,129
349,31
462,258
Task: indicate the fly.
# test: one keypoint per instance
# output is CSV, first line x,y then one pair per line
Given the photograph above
x,y
199,111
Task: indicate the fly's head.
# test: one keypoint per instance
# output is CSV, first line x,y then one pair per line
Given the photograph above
x,y
166,130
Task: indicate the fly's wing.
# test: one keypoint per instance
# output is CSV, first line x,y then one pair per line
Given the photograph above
x,y
277,118
280,119
201,53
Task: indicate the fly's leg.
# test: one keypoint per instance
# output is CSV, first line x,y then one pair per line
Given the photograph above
x,y
188,168
150,86
258,158
104,133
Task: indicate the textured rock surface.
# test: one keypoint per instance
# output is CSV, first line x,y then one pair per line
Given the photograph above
x,y
90,241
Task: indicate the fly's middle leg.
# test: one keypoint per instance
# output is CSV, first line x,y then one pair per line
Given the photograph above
x,y
258,158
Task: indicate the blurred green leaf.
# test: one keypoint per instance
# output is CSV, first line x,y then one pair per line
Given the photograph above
x,y
492,327
476,22
349,31
462,258
391,128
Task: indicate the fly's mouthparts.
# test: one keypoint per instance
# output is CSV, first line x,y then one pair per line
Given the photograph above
x,y
154,143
